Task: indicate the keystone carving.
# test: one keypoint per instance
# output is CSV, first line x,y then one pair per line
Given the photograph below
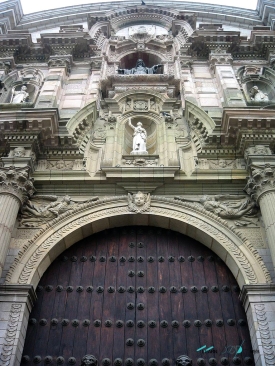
x,y
139,202
238,208
260,181
17,182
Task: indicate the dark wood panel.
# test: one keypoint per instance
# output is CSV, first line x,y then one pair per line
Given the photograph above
x,y
89,294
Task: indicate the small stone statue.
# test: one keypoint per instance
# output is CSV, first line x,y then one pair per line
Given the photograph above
x,y
140,69
139,139
257,95
19,96
184,361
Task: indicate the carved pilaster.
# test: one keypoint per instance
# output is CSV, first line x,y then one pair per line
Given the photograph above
x,y
16,182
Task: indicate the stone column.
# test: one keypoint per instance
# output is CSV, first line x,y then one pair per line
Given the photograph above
x,y
261,187
16,302
15,189
259,304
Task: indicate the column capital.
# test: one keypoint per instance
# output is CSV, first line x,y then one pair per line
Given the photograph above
x,y
260,181
16,182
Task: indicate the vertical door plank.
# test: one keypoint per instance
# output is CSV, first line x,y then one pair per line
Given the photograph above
x,y
153,349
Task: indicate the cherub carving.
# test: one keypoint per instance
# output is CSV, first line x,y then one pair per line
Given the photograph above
x,y
238,208
139,202
36,215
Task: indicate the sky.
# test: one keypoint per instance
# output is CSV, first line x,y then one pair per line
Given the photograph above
x,y
31,6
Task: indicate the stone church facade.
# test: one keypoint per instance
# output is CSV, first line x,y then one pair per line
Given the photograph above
x,y
143,122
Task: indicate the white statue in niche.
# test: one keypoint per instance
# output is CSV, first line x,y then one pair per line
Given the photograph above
x,y
20,96
139,139
257,95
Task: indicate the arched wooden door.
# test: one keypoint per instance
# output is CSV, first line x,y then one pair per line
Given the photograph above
x,y
138,296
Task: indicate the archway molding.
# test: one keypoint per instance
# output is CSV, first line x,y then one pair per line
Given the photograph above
x,y
91,217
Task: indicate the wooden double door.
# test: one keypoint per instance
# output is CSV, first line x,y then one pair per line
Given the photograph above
x,y
138,296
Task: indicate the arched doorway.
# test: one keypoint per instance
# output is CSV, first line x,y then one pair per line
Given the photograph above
x,y
131,294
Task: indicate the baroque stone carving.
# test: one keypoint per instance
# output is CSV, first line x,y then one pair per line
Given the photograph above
x,y
77,164
32,216
220,164
32,259
183,361
237,208
10,336
266,338
257,95
140,162
140,105
139,202
260,181
20,96
16,181
139,139
140,69
257,150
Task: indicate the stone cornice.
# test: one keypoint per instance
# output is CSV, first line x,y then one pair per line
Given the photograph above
x,y
243,127
41,20
265,291
18,293
16,182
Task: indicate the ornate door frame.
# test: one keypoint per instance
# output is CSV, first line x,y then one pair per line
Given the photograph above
x,y
91,217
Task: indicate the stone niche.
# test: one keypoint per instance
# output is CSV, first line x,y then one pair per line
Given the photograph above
x,y
150,127
129,61
258,85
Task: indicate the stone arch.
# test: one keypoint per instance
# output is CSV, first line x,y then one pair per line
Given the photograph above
x,y
94,216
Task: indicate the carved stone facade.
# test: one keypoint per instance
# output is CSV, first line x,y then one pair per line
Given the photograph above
x,y
156,115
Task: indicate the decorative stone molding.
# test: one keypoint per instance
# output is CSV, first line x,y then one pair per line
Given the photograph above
x,y
261,180
220,57
229,243
204,164
77,164
17,182
257,150
266,337
10,337
60,61
79,126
